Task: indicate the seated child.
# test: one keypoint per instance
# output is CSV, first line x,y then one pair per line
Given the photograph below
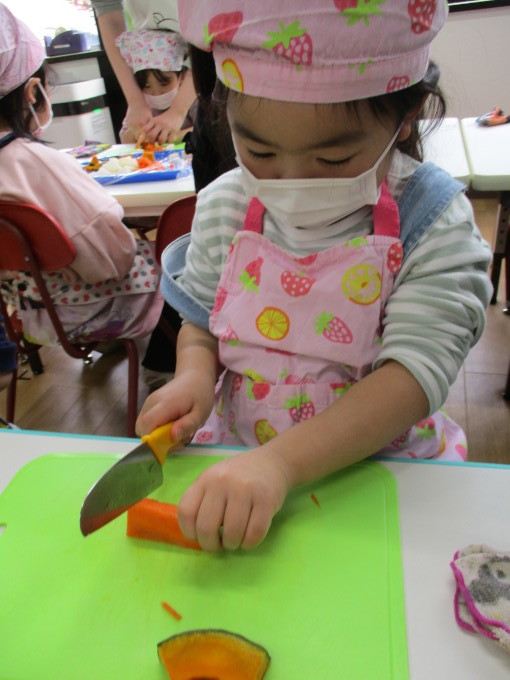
x,y
111,288
157,60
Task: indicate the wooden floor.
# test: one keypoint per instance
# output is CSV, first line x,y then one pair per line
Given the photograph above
x,y
72,397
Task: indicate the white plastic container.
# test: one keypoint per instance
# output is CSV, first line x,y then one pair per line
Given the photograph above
x,y
80,115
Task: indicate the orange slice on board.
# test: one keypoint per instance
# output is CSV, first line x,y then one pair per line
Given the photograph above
x,y
273,323
232,75
362,284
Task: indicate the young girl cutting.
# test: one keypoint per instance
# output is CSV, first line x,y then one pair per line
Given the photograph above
x,y
344,280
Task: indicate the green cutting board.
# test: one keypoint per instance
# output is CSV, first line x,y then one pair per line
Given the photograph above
x,y
323,593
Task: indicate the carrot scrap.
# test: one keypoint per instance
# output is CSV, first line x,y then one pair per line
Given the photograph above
x,y
93,165
148,146
171,611
156,521
144,162
314,499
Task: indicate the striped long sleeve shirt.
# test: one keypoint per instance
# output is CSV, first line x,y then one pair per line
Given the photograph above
x,y
436,311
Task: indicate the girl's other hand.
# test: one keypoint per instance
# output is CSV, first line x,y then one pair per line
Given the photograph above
x,y
186,401
231,505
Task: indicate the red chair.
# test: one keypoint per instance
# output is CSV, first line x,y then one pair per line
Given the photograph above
x,y
174,221
32,240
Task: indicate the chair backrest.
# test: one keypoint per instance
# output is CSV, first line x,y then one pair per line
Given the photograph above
x,y
32,240
175,220
49,243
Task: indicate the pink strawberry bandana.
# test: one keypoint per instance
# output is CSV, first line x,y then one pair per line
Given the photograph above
x,y
21,52
315,51
147,49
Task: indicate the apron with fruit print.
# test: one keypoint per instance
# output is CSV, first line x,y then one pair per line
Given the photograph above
x,y
295,333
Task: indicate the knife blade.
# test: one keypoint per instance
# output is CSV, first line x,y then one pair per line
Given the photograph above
x,y
131,479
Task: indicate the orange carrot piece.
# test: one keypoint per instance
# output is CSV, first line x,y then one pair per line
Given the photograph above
x,y
314,499
144,162
156,521
171,611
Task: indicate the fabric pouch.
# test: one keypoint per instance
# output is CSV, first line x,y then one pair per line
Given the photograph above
x,y
482,597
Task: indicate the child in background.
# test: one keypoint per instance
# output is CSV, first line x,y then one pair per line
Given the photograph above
x,y
345,280
113,18
111,288
157,61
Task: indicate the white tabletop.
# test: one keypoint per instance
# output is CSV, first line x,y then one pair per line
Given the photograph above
x,y
444,146
488,152
443,507
150,198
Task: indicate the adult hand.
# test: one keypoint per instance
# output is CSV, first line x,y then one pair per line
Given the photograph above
x,y
233,502
186,401
164,127
138,115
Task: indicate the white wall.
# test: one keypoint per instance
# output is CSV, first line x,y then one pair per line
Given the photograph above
x,y
473,51
43,18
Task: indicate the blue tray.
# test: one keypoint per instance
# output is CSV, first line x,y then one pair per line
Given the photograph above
x,y
144,176
148,175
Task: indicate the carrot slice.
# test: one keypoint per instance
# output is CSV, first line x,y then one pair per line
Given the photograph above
x,y
171,611
156,521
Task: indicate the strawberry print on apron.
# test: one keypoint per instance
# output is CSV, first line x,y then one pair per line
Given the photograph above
x,y
295,333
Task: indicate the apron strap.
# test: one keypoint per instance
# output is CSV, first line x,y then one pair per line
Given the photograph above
x,y
426,195
173,260
254,220
386,214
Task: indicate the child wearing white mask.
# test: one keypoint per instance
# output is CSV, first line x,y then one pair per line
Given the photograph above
x,y
157,61
333,284
111,288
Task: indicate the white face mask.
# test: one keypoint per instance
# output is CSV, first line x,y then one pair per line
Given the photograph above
x,y
41,128
314,203
161,102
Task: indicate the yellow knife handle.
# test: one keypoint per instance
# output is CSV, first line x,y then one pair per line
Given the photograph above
x,y
161,441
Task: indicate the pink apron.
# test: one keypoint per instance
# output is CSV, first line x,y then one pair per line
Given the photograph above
x,y
295,333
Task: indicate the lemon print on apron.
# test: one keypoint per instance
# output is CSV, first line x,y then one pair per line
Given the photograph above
x,y
273,323
362,284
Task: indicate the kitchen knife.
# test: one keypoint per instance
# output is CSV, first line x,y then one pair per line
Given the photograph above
x,y
130,480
